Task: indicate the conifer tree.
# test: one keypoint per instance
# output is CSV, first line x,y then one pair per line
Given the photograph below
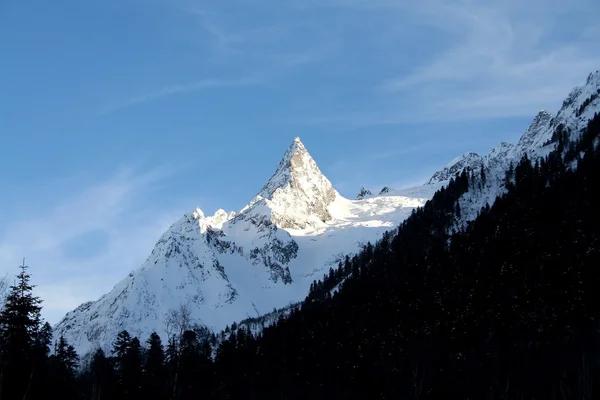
x,y
20,323
63,369
172,365
131,369
189,364
121,346
103,377
43,339
155,377
119,352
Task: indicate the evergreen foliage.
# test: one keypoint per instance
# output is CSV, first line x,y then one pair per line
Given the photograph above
x,y
23,342
63,370
503,309
155,372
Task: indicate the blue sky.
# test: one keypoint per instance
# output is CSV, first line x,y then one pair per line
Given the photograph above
x,y
117,116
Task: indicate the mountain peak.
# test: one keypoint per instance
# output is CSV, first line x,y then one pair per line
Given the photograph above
x,y
385,190
295,147
298,191
467,160
295,159
593,76
362,193
543,115
542,118
537,129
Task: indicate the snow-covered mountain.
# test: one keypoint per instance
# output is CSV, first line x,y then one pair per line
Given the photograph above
x,y
232,266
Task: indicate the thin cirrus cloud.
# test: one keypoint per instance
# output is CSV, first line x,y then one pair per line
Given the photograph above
x,y
86,242
508,59
272,36
436,60
461,60
222,40
184,88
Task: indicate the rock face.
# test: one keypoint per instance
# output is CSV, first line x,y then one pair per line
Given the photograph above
x,y
362,193
468,161
383,191
538,127
298,194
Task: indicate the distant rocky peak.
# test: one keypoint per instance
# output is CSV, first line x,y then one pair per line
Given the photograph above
x,y
298,192
203,222
198,213
296,163
593,78
579,95
220,217
362,193
385,190
538,126
542,118
469,161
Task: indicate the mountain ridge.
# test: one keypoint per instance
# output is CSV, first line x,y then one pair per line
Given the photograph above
x,y
237,265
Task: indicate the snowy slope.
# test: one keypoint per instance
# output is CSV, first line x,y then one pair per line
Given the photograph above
x,y
233,266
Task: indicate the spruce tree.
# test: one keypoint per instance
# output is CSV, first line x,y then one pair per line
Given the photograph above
x,y
189,364
103,377
66,358
128,362
63,369
43,339
172,364
155,375
121,346
131,369
19,327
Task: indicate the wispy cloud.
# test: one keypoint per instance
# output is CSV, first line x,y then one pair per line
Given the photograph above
x,y
185,88
508,59
69,271
223,40
474,60
272,37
